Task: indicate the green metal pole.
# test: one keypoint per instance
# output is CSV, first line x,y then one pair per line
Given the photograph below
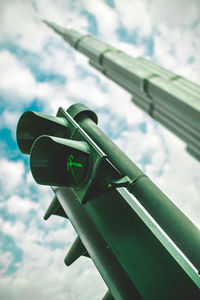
x,y
112,272
178,227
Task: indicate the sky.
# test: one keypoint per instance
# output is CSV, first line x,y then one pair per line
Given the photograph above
x,y
40,72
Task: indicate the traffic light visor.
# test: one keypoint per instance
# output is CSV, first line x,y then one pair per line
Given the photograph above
x,y
60,162
31,125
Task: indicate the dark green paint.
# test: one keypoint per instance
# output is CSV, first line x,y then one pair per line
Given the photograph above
x,y
128,247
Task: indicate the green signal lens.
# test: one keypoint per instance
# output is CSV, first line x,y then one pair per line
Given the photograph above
x,y
71,164
60,162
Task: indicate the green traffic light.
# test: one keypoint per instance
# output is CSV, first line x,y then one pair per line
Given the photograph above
x,y
70,165
60,162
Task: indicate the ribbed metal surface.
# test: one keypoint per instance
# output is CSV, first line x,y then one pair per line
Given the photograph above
x,y
168,98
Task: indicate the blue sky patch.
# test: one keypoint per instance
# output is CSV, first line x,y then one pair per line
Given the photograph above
x,y
128,36
93,27
110,3
10,246
6,136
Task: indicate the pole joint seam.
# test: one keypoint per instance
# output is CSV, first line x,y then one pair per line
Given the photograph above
x,y
80,39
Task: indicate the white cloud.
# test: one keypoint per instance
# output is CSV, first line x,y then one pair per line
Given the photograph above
x,y
19,86
63,236
173,25
175,47
144,146
21,22
134,15
6,259
62,13
174,12
17,82
20,25
11,174
180,177
143,15
107,18
18,205
14,229
9,120
42,267
55,280
131,49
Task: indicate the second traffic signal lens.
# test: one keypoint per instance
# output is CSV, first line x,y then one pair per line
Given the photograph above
x,y
60,162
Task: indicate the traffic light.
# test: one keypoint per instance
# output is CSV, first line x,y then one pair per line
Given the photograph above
x,y
32,125
60,162
123,236
62,154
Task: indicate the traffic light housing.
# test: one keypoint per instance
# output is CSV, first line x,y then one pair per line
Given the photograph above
x,y
31,125
62,154
60,162
70,153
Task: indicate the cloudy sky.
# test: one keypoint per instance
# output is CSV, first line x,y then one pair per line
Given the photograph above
x,y
40,72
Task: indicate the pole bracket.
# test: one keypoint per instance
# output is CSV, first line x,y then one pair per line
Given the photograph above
x,y
125,182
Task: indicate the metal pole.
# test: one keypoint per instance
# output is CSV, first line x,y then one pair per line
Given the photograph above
x,y
120,285
178,227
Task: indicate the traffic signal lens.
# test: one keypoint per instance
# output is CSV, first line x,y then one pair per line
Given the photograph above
x,y
31,125
60,162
